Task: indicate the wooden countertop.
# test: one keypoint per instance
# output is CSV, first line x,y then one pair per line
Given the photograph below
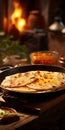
x,y
26,118
23,120
40,110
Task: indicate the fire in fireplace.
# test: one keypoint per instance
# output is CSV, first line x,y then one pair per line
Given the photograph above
x,y
13,16
16,12
16,17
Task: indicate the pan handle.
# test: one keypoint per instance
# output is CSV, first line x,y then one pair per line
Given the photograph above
x,y
5,68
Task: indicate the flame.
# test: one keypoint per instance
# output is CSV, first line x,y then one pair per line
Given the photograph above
x,y
20,24
16,17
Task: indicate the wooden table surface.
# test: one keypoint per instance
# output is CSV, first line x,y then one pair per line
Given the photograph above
x,y
24,119
47,110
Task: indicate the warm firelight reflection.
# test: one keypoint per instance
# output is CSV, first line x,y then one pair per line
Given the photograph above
x,y
5,24
16,17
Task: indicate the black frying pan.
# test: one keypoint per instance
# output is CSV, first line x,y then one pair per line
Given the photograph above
x,y
29,95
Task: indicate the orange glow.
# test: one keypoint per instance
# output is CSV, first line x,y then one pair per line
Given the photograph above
x,y
20,25
16,17
5,24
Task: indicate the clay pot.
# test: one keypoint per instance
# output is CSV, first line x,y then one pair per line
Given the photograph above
x,y
35,20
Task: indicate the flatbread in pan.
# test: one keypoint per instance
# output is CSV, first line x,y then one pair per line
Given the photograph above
x,y
34,81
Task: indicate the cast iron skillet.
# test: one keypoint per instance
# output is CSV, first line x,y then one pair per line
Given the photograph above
x,y
30,95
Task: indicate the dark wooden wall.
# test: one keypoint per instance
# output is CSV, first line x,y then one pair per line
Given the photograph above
x,y
56,7
1,14
29,5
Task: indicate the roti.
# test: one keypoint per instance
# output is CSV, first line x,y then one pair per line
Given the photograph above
x,y
34,81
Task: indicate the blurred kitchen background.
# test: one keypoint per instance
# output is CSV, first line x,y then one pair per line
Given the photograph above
x,y
37,25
